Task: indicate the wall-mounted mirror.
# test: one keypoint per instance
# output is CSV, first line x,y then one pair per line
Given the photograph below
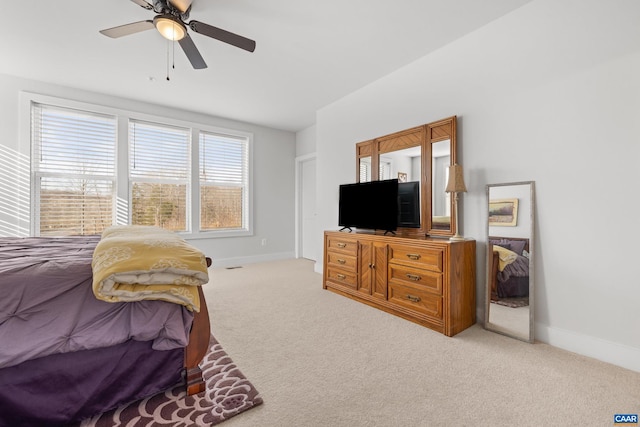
x,y
401,164
440,199
364,161
440,147
364,169
510,257
421,154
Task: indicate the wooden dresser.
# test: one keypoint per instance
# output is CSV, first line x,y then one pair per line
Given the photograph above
x,y
425,280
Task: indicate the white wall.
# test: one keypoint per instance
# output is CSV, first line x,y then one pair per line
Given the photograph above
x,y
306,141
273,174
548,93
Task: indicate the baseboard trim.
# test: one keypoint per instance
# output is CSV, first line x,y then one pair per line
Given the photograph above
x,y
251,259
621,355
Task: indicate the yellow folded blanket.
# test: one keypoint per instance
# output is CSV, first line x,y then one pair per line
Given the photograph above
x,y
505,256
133,263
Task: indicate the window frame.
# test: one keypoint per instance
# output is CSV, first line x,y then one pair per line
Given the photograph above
x,y
156,180
122,181
37,175
245,141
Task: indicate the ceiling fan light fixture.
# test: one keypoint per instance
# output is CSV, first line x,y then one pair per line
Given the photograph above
x,y
171,29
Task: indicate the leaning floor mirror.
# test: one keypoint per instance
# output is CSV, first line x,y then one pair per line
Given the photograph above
x,y
510,257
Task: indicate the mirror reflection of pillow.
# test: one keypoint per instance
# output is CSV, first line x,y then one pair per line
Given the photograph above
x,y
517,246
505,256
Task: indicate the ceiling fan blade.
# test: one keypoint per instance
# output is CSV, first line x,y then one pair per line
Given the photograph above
x,y
182,5
223,35
143,4
125,30
190,49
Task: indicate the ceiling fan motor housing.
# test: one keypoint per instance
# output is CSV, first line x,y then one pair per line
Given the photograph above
x,y
164,7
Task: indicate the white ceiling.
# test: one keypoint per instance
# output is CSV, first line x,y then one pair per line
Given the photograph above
x,y
308,55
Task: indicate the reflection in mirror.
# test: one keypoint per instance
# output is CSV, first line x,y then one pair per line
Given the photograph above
x,y
401,164
440,199
365,169
510,255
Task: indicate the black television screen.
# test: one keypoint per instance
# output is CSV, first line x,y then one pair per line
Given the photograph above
x,y
409,204
369,205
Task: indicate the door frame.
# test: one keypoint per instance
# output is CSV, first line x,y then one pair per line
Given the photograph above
x,y
298,200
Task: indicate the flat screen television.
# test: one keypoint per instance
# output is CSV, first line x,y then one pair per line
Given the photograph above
x,y
409,204
369,205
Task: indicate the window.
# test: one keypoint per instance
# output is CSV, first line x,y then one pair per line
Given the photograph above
x,y
384,169
365,169
93,166
73,164
224,189
159,164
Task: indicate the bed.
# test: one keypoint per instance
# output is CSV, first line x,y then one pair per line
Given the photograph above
x,y
509,277
66,355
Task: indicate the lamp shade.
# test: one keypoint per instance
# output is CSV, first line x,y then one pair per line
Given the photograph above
x,y
456,180
170,28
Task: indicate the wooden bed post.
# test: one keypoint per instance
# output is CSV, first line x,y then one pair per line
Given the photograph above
x,y
198,346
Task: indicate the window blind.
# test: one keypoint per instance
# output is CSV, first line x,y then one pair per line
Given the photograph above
x,y
224,181
365,171
385,170
159,171
73,164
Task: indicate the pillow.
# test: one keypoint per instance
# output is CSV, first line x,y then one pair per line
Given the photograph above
x,y
501,242
517,246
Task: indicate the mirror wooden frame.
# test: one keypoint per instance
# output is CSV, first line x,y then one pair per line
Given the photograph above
x,y
423,136
502,329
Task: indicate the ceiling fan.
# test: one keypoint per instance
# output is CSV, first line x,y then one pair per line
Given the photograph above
x,y
171,21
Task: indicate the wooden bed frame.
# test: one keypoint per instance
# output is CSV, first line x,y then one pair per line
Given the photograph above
x,y
493,278
198,346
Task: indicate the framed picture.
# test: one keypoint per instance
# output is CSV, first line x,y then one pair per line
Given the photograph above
x,y
503,212
402,177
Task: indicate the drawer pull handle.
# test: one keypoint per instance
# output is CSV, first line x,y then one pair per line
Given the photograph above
x,y
413,257
341,276
341,245
413,299
413,277
341,261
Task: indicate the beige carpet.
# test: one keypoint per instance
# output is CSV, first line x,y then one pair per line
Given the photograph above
x,y
320,359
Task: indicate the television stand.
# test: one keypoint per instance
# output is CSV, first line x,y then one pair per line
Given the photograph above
x,y
346,228
428,281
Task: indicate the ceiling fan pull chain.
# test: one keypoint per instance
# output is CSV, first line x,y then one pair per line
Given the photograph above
x,y
168,79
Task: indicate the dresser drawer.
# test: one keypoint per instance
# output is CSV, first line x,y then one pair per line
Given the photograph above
x,y
428,258
416,298
427,280
345,246
339,260
343,277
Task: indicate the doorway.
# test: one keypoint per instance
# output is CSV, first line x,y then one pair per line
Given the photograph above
x,y
306,235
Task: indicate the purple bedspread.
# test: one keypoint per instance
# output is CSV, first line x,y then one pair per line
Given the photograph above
x,y
47,304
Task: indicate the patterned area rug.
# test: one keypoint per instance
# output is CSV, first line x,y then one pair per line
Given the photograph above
x,y
512,302
228,393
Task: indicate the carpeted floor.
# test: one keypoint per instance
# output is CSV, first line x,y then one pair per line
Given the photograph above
x,y
320,359
228,393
